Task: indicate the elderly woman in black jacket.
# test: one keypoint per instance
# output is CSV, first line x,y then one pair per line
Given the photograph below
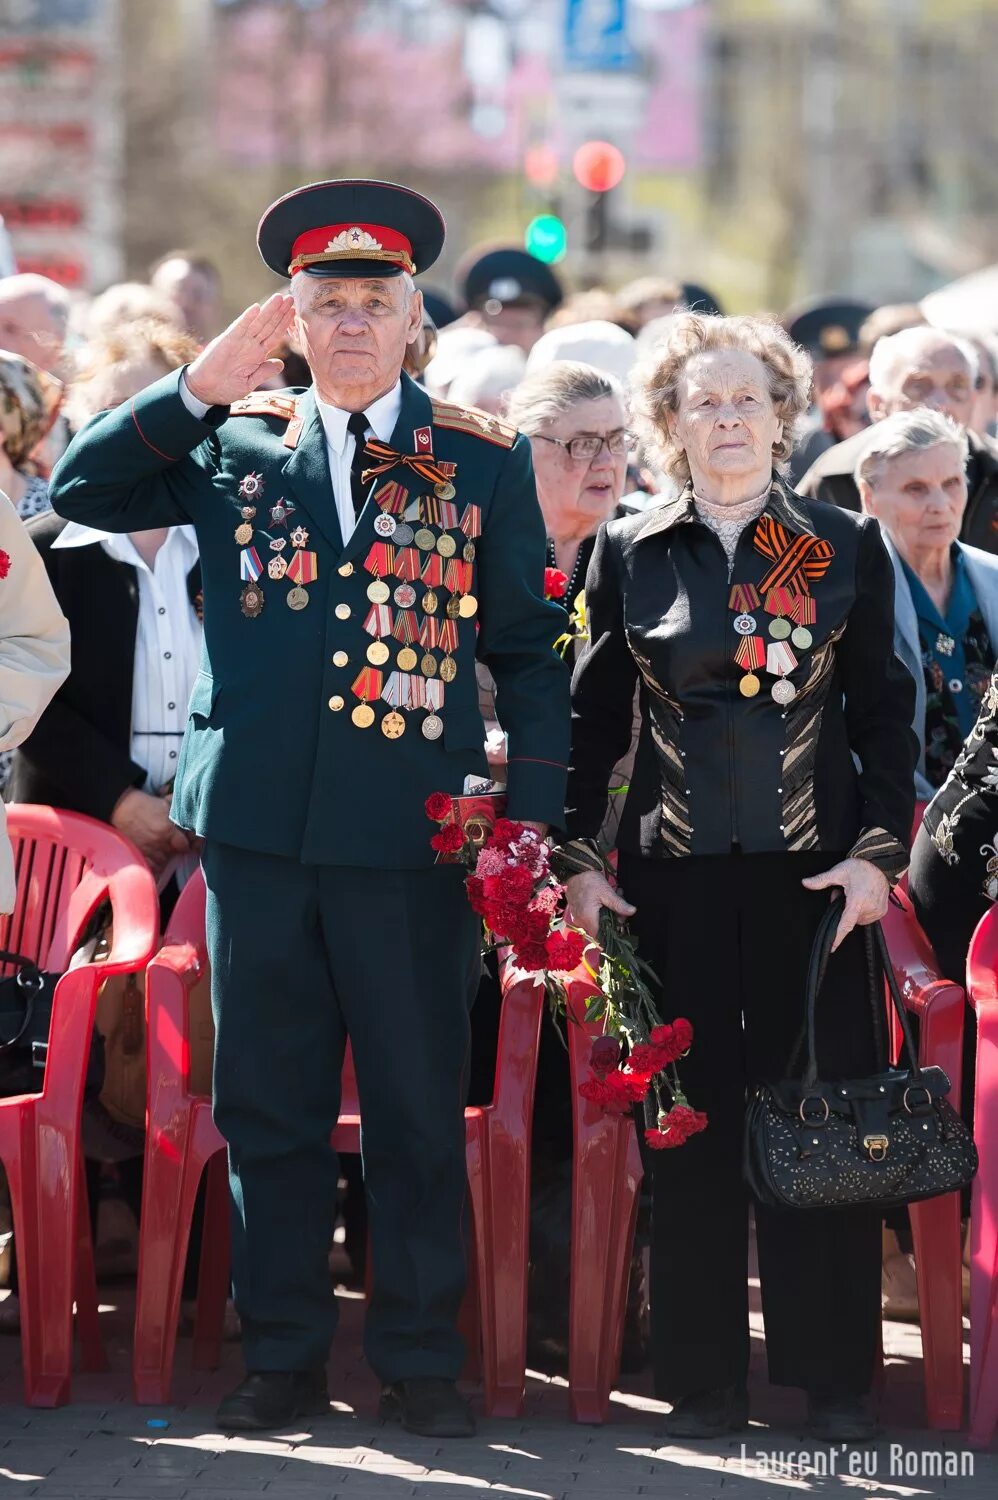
x,y
774,767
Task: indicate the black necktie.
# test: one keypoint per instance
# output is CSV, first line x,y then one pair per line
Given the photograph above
x,y
357,424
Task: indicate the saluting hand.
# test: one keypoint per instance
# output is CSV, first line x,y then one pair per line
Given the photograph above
x,y
587,893
235,362
866,889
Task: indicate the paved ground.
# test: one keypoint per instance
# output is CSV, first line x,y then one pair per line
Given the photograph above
x,y
104,1447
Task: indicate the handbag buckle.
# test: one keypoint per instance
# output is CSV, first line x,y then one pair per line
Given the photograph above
x,y
917,1088
876,1146
812,1119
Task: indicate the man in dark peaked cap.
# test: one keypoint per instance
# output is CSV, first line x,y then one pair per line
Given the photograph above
x,y
361,545
511,292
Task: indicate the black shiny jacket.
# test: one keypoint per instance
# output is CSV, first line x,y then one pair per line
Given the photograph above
x,y
833,769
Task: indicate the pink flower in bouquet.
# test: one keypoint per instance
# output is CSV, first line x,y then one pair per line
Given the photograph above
x,y
676,1127
490,862
547,901
531,852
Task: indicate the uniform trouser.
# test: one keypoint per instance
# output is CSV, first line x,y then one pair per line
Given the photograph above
x,y
302,957
729,938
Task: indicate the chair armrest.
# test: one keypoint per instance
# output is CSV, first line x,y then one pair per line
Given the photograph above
x,y
170,977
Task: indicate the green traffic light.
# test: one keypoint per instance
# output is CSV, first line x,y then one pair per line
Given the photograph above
x,y
546,239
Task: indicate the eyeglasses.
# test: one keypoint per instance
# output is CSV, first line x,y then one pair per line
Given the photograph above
x,y
585,449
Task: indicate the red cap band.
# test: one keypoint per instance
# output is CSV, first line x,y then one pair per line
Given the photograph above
x,y
351,242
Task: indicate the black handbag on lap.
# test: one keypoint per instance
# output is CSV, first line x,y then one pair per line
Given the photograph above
x,y
883,1141
25,1019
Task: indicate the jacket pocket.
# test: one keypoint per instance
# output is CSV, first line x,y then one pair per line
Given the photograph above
x,y
203,696
464,730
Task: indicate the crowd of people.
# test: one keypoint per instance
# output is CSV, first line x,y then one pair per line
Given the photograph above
x,y
674,450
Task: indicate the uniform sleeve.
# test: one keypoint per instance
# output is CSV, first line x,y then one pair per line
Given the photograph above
x,y
602,695
34,633
135,467
879,708
516,642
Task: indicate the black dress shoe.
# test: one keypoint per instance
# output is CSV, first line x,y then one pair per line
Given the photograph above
x,y
274,1398
840,1417
429,1406
709,1414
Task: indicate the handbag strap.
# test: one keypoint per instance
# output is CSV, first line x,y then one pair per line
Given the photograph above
x,y
30,981
880,961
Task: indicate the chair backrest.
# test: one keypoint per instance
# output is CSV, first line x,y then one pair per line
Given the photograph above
x,y
936,1000
982,962
67,865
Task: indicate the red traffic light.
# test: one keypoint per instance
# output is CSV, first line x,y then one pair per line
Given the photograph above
x,y
540,165
598,166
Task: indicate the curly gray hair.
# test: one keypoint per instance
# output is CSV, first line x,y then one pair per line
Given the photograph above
x,y
655,383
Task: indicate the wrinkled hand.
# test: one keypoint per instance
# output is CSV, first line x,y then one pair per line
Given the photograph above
x,y
587,893
145,820
235,362
866,889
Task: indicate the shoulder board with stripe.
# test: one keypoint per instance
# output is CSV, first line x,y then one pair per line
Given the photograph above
x,y
477,423
265,404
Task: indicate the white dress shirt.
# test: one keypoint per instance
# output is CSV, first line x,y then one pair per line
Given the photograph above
x,y
381,417
167,649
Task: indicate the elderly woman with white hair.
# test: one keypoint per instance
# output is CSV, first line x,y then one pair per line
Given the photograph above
x,y
912,477
774,766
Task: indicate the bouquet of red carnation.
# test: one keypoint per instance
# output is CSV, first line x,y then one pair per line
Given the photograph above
x,y
512,888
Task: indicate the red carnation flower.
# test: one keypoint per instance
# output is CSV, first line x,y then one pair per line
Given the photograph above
x,y
626,1088
564,951
534,925
605,1055
533,957
4,563
505,832
647,1059
437,805
599,1091
676,1127
516,886
555,583
673,1040
449,840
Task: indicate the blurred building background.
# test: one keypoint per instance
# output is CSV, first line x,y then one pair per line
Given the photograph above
x,y
772,148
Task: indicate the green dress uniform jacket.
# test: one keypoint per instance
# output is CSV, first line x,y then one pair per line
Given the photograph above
x,y
272,760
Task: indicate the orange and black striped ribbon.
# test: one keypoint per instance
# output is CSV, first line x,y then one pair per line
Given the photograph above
x,y
797,561
386,458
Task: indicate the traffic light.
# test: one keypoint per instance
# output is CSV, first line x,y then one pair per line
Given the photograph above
x,y
598,166
546,239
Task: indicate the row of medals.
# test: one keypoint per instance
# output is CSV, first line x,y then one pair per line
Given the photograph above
x,y
753,650
458,607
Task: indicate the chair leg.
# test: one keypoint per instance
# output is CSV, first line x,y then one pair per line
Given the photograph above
x,y
936,1233
92,1356
44,1207
500,1195
604,1211
169,1190
215,1270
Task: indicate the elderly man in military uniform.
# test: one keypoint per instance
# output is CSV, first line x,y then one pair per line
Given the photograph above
x,y
360,546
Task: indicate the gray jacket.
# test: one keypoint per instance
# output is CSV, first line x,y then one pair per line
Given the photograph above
x,y
982,570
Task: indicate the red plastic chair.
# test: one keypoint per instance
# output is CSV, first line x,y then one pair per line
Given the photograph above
x,y
982,992
66,865
938,1003
182,1142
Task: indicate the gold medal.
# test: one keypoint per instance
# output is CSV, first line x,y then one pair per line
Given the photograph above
x,y
244,533
336,703
393,725
446,545
363,716
406,659
467,606
749,685
277,568
445,490
454,607
468,552
297,597
346,570
448,669
425,540
430,602
378,592
378,653
428,666
433,727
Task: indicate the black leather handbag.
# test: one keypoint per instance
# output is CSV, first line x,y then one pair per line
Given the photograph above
x,y
886,1140
25,1019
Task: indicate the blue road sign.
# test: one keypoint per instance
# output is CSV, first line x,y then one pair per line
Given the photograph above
x,y
596,35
